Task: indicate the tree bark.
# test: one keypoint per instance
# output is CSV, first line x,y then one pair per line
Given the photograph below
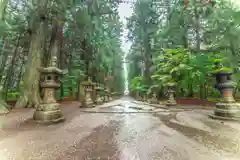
x,y
55,59
30,95
11,68
197,29
54,50
3,6
3,105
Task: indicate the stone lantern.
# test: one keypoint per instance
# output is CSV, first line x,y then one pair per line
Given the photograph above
x,y
109,95
88,88
227,108
102,95
49,111
171,91
106,95
138,97
98,100
145,98
154,99
94,92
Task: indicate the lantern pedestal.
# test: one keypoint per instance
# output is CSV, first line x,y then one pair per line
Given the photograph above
x,y
94,92
98,100
106,98
227,108
88,102
109,95
138,97
171,100
145,98
102,95
154,99
49,112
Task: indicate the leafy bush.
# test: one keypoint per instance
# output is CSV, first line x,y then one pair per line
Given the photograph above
x,y
138,85
189,71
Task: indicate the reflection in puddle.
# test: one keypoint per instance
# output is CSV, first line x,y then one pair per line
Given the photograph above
x,y
127,106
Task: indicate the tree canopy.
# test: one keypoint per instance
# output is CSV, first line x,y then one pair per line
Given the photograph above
x,y
178,42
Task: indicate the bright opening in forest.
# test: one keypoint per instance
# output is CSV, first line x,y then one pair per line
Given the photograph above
x,y
125,72
125,11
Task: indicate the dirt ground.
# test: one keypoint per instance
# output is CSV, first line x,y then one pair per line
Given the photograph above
x,y
184,134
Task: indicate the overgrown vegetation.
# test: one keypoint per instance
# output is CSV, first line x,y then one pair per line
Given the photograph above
x,y
83,35
179,44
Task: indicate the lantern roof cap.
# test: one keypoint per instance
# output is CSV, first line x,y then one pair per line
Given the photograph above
x,y
88,82
50,70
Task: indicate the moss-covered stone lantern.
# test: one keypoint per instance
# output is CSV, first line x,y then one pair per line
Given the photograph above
x,y
109,94
101,92
106,99
49,111
138,97
98,99
170,92
88,88
227,108
145,97
154,99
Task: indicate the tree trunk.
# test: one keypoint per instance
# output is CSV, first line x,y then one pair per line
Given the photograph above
x,y
54,51
3,6
3,57
197,29
30,95
11,68
56,60
3,105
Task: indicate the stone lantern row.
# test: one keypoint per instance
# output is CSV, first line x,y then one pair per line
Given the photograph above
x,y
48,111
170,93
92,94
226,109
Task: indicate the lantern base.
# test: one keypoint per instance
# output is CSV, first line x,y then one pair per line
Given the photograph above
x,y
48,116
227,111
138,97
223,118
106,99
144,99
102,99
154,101
171,102
98,100
88,104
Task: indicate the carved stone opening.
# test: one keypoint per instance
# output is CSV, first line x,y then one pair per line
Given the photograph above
x,y
49,77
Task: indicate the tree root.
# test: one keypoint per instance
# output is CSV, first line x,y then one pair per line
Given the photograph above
x,y
25,102
3,107
22,102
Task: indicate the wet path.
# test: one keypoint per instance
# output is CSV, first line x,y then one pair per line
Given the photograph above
x,y
166,135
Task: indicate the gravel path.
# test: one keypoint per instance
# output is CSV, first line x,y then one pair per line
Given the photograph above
x,y
179,135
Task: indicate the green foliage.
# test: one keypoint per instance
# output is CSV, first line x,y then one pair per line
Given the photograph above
x,y
183,68
223,69
12,95
184,43
138,85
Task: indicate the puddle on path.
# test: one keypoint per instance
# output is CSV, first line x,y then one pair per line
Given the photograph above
x,y
100,144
